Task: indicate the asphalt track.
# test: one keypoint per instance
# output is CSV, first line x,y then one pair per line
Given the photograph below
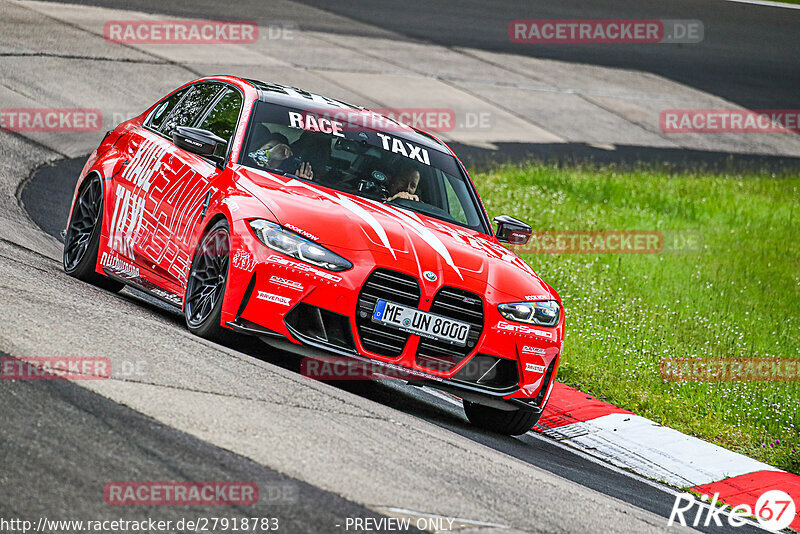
x,y
62,444
748,55
734,61
47,196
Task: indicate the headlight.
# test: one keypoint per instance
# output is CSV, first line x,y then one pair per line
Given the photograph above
x,y
281,240
544,313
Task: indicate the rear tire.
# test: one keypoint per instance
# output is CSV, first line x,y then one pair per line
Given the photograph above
x,y
512,423
205,287
82,240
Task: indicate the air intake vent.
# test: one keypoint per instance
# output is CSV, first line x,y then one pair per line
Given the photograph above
x,y
456,304
490,371
387,285
322,326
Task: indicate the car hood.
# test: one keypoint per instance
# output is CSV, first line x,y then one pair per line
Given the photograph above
x,y
396,238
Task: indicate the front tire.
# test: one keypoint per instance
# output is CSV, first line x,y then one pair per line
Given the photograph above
x,y
205,287
512,423
82,240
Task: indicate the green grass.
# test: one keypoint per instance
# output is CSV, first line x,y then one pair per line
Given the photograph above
x,y
739,296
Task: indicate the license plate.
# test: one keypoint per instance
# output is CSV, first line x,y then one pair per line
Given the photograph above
x,y
421,323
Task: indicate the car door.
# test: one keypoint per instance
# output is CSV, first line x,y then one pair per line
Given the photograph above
x,y
194,183
160,190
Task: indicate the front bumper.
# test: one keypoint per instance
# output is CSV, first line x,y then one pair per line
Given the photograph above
x,y
319,313
313,349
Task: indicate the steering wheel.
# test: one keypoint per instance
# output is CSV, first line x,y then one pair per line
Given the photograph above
x,y
373,185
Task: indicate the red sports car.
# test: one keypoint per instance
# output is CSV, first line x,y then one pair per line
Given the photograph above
x,y
322,228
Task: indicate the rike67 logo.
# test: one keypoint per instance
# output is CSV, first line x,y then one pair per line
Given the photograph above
x,y
774,510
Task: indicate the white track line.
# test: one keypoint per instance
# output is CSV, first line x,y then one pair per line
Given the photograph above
x,y
570,448
655,451
766,3
574,449
611,467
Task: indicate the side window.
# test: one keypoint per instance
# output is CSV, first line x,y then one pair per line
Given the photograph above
x,y
222,118
163,110
191,107
453,203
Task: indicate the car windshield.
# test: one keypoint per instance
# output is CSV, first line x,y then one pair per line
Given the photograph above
x,y
394,164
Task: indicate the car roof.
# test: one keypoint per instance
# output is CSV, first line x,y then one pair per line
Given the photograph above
x,y
287,95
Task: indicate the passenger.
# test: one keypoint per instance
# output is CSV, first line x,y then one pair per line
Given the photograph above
x,y
275,152
403,184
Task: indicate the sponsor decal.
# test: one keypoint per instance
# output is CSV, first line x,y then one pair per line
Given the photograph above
x,y
55,368
775,510
65,120
523,329
244,260
291,284
304,267
532,298
401,146
158,199
166,295
129,203
147,161
180,493
527,349
126,221
302,232
277,299
534,367
311,123
232,205
118,266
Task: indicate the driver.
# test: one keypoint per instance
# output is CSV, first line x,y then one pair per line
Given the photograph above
x,y
403,183
275,151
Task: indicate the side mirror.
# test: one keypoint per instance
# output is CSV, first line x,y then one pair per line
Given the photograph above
x,y
197,141
511,230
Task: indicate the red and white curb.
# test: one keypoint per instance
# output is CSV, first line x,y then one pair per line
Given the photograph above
x,y
631,442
